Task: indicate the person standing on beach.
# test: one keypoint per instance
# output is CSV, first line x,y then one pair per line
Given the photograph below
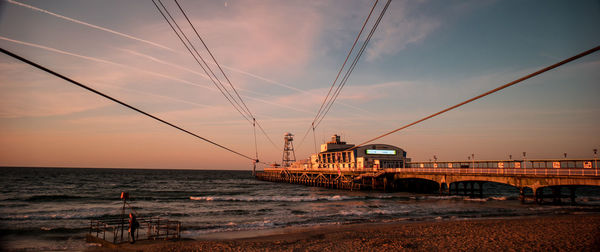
x,y
133,225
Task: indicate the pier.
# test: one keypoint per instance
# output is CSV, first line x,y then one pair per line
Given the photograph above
x,y
530,177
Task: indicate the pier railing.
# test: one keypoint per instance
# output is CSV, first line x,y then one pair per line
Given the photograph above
x,y
555,167
115,230
571,167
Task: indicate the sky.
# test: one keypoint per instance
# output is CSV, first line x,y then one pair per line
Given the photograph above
x,y
282,57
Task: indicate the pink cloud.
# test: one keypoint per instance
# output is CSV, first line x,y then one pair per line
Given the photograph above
x,y
398,30
265,36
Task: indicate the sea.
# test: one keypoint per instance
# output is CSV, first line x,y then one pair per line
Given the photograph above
x,y
49,209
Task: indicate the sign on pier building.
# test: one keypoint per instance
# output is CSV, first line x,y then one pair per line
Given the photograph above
x,y
336,155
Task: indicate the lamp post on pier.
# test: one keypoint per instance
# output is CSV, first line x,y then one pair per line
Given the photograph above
x,y
596,160
473,160
524,162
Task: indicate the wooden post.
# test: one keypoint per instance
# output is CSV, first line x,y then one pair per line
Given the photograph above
x,y
385,184
522,194
373,183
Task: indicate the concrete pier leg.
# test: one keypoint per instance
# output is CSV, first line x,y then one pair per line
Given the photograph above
x,y
572,194
556,194
469,189
480,189
384,184
373,183
522,194
539,195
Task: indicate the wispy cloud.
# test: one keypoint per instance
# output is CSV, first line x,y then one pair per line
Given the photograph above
x,y
267,35
17,103
147,72
164,62
88,24
108,62
400,29
313,94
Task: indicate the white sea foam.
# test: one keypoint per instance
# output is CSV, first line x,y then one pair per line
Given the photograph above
x,y
273,198
476,199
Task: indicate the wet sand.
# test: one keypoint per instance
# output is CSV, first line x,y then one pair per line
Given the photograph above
x,y
549,233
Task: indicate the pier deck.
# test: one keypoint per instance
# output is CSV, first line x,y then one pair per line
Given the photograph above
x,y
456,177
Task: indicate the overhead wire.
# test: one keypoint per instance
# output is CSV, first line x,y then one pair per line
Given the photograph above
x,y
249,115
224,75
346,60
213,57
243,108
548,68
353,65
193,55
118,101
327,101
312,126
266,135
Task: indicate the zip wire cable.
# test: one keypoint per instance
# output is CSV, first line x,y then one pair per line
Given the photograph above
x,y
593,50
223,73
265,133
255,146
206,64
117,101
332,99
338,75
219,85
213,57
353,65
224,92
345,61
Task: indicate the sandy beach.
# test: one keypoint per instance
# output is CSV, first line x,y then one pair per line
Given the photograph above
x,y
549,233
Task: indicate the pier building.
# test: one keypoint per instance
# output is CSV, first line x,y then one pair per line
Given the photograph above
x,y
384,167
337,155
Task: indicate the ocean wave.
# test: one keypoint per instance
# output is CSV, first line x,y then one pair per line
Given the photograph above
x,y
589,199
476,199
493,198
44,230
68,214
274,198
52,197
300,198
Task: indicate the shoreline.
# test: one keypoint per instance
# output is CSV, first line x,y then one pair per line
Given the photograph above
x,y
559,232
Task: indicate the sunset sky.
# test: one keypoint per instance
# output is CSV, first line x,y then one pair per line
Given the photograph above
x,y
282,56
